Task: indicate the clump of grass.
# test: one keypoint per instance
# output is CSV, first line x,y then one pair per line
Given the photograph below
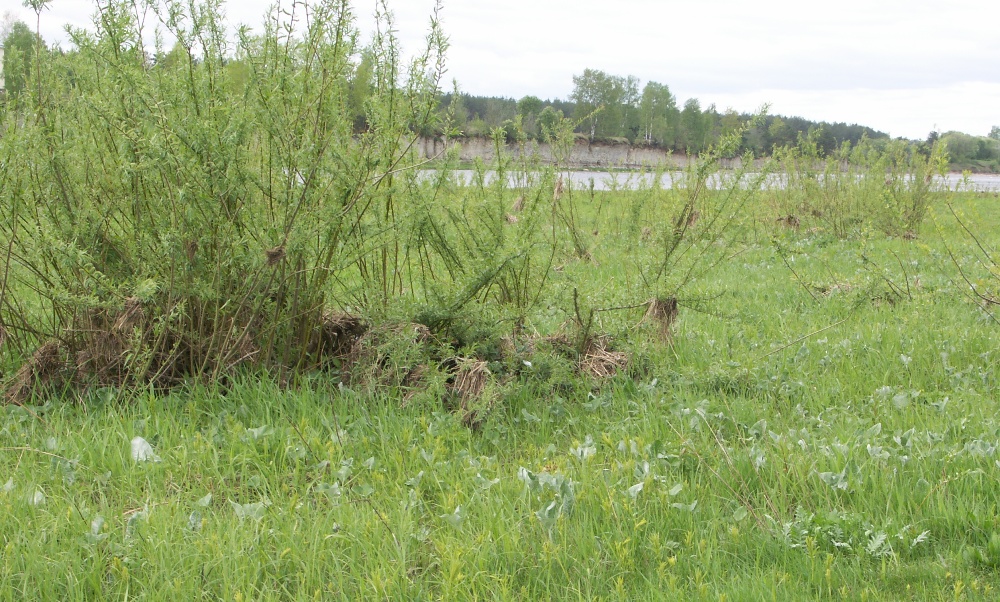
x,y
598,359
43,370
663,312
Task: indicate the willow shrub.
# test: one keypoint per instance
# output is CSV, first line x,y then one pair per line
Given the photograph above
x,y
183,214
257,200
874,186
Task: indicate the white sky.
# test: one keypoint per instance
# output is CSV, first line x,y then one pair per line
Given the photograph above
x,y
905,67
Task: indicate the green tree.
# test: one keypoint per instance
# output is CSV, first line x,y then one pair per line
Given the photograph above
x,y
961,147
528,109
995,132
548,123
629,107
780,133
694,127
177,57
658,114
499,110
529,105
603,102
359,90
19,56
986,149
730,122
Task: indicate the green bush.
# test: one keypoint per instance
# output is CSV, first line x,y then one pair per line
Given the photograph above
x,y
885,187
185,213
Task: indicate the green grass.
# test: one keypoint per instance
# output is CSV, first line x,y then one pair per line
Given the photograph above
x,y
741,463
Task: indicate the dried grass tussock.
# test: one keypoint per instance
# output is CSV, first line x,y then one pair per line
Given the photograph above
x,y
470,379
789,221
341,333
44,368
599,361
664,313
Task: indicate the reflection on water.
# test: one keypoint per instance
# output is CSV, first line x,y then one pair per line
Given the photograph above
x,y
603,180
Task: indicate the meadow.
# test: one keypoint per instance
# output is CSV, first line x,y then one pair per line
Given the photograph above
x,y
809,434
251,350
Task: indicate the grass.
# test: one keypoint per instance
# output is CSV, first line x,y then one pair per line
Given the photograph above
x,y
821,432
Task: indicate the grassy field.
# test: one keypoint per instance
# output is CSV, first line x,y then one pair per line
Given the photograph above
x,y
822,427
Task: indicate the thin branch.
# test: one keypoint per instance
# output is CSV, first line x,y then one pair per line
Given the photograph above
x,y
802,338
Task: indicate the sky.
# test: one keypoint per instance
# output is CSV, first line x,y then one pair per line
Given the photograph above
x,y
905,67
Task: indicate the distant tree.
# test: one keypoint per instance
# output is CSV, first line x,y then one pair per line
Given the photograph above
x,y
961,147
629,104
459,114
568,107
528,109
499,110
360,89
19,56
729,122
590,92
780,134
986,149
658,114
176,57
603,102
995,132
529,105
825,140
548,122
6,23
694,127
756,139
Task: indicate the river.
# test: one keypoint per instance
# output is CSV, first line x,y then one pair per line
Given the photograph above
x,y
604,180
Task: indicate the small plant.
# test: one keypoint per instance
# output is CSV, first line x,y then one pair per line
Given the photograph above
x,y
987,556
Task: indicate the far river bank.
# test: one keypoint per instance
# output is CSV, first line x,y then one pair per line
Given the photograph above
x,y
584,156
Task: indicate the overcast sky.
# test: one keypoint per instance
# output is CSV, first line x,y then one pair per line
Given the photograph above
x,y
905,67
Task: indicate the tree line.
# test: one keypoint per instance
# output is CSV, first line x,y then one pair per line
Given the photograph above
x,y
606,108
602,108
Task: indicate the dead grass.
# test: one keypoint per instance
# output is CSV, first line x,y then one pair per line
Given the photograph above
x,y
108,342
664,312
789,221
599,361
44,369
378,357
340,333
471,377
468,388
